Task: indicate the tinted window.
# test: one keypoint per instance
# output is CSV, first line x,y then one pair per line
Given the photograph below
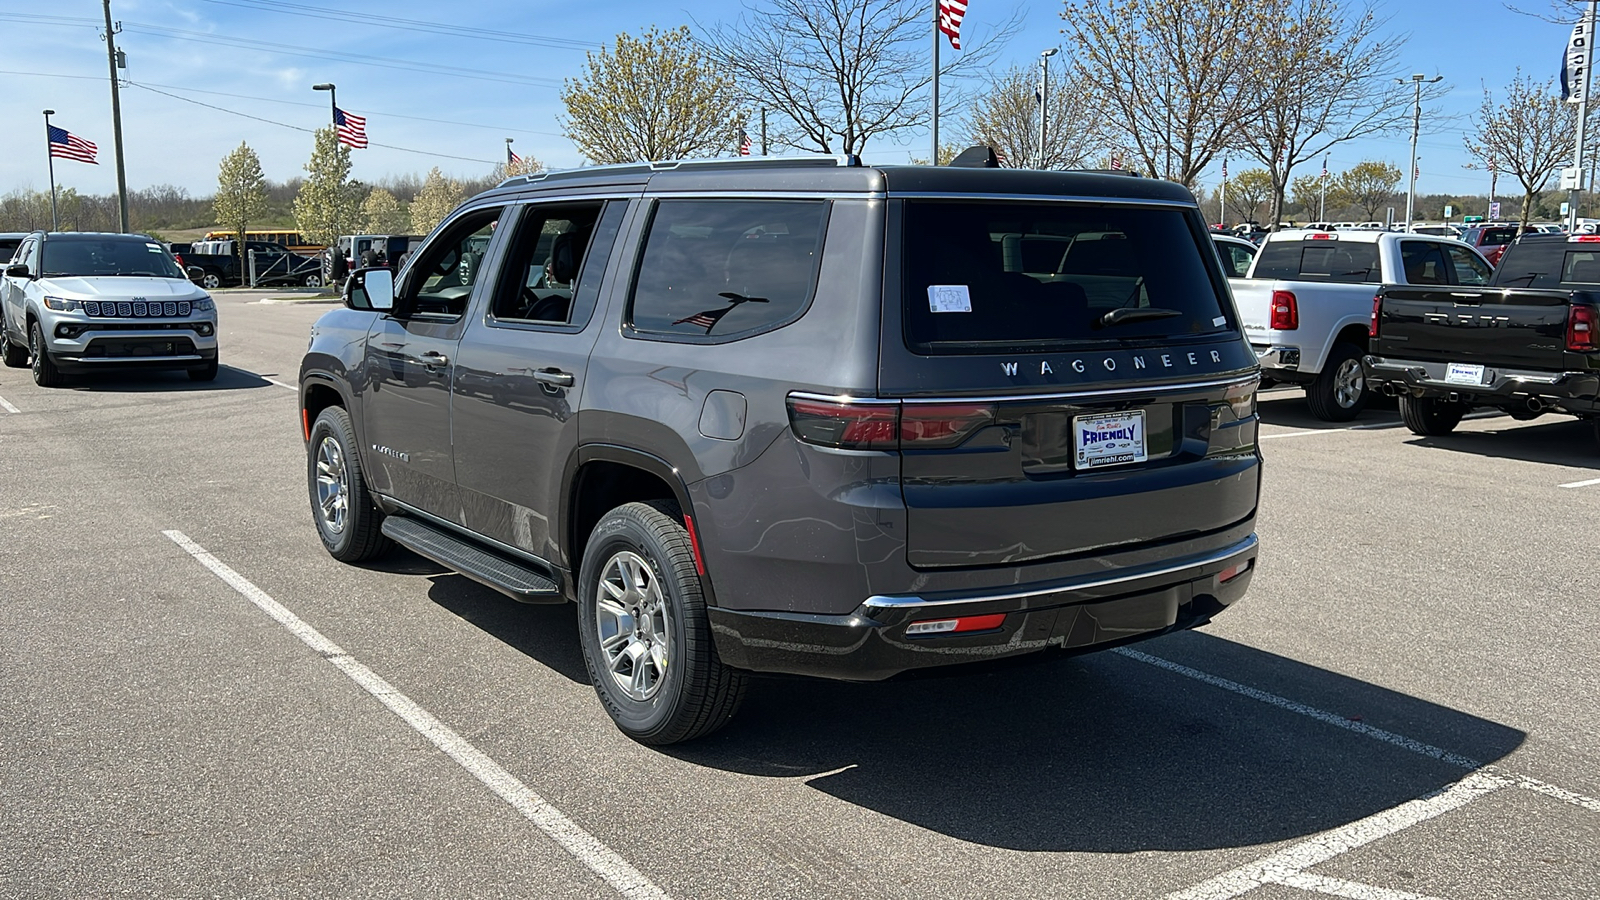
x,y
1345,262
727,267
1494,237
8,246
441,281
100,255
541,271
1235,259
1424,263
1469,267
981,274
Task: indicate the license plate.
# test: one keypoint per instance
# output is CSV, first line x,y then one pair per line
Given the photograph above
x,y
1462,373
1109,439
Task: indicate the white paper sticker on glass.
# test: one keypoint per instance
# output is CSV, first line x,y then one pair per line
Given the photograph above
x,y
946,298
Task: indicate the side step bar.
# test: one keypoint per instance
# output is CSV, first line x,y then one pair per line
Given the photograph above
x,y
490,569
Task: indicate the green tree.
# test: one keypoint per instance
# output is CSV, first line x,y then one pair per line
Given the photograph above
x,y
381,213
1247,191
241,195
1369,186
439,195
329,203
649,98
1531,135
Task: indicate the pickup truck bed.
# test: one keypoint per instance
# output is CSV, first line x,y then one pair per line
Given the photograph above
x,y
1525,350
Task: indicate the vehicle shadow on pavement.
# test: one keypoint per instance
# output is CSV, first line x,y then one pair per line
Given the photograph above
x,y
1103,753
547,633
161,382
1288,408
1562,441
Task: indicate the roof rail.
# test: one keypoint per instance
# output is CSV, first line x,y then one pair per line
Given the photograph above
x,y
671,165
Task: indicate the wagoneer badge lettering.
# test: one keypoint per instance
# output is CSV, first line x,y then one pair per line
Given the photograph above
x,y
389,451
1109,363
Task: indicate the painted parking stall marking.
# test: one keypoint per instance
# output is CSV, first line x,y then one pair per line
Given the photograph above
x,y
585,847
6,405
1579,484
1287,866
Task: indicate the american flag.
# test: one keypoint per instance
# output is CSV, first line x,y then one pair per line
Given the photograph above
x,y
951,12
1224,169
511,157
1116,160
1324,167
67,145
707,319
744,143
352,129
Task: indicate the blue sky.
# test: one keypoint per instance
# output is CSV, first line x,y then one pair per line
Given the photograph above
x,y
253,49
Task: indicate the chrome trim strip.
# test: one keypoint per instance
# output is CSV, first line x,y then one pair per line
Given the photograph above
x,y
1046,198
901,602
112,360
1229,381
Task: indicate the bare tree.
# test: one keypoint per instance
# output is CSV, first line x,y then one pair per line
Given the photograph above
x,y
1530,136
838,73
1006,117
1333,81
1177,77
652,97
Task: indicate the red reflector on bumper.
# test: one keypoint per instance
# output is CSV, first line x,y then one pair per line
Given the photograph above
x,y
954,626
1232,572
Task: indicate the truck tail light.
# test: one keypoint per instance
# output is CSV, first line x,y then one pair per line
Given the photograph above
x,y
1285,311
1377,307
857,425
1582,321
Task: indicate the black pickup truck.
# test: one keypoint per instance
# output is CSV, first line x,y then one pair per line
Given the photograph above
x,y
1524,343
214,264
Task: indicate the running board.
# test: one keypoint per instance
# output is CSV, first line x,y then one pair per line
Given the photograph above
x,y
490,569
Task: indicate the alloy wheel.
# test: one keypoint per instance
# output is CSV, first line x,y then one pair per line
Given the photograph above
x,y
1349,383
333,485
634,625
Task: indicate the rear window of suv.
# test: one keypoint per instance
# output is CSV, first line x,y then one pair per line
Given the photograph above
x,y
982,275
1341,262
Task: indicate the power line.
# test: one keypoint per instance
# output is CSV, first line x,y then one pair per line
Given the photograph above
x,y
434,28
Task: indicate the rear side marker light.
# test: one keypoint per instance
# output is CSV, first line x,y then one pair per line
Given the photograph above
x,y
1232,572
956,626
694,545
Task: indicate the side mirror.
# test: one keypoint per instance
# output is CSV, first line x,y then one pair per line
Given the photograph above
x,y
195,273
19,270
370,289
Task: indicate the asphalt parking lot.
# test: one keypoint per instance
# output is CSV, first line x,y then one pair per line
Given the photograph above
x,y
199,702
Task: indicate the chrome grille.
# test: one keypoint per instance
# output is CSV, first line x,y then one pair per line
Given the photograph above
x,y
123,309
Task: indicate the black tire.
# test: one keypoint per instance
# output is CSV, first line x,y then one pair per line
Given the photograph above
x,y
1340,392
14,355
686,694
351,534
207,372
1430,416
45,373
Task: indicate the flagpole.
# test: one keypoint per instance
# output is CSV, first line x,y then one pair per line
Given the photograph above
x,y
935,157
1322,207
51,159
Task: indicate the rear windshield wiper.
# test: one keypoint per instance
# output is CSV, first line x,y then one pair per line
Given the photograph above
x,y
1136,314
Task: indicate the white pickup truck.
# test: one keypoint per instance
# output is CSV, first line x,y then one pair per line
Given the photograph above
x,y
1307,303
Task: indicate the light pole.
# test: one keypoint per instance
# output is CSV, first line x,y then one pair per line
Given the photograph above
x,y
1322,205
333,102
50,158
1044,97
1416,127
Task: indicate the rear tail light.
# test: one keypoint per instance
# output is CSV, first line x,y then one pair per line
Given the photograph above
x,y
1372,324
179,258
1581,324
1285,311
856,425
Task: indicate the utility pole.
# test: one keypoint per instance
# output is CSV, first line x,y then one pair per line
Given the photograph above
x,y
763,131
50,157
1416,128
1044,97
1583,118
116,122
1322,205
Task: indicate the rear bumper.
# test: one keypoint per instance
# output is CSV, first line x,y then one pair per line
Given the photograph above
x,y
1081,614
1511,389
1279,362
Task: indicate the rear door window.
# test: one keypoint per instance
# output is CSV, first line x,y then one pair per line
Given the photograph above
x,y
980,276
1469,267
1424,263
540,278
726,268
1342,262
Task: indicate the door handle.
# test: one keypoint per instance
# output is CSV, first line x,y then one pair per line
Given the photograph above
x,y
433,359
554,378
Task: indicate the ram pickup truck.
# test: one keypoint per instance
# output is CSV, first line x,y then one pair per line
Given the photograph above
x,y
1524,344
1307,300
212,264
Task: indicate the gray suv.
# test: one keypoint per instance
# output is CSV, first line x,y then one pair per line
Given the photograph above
x,y
800,416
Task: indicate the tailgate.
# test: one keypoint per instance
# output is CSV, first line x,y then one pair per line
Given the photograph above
x,y
1516,329
1253,298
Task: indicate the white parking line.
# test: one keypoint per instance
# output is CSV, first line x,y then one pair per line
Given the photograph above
x,y
1285,866
1578,484
589,850
6,405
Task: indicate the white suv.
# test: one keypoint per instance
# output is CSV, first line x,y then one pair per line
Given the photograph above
x,y
78,302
